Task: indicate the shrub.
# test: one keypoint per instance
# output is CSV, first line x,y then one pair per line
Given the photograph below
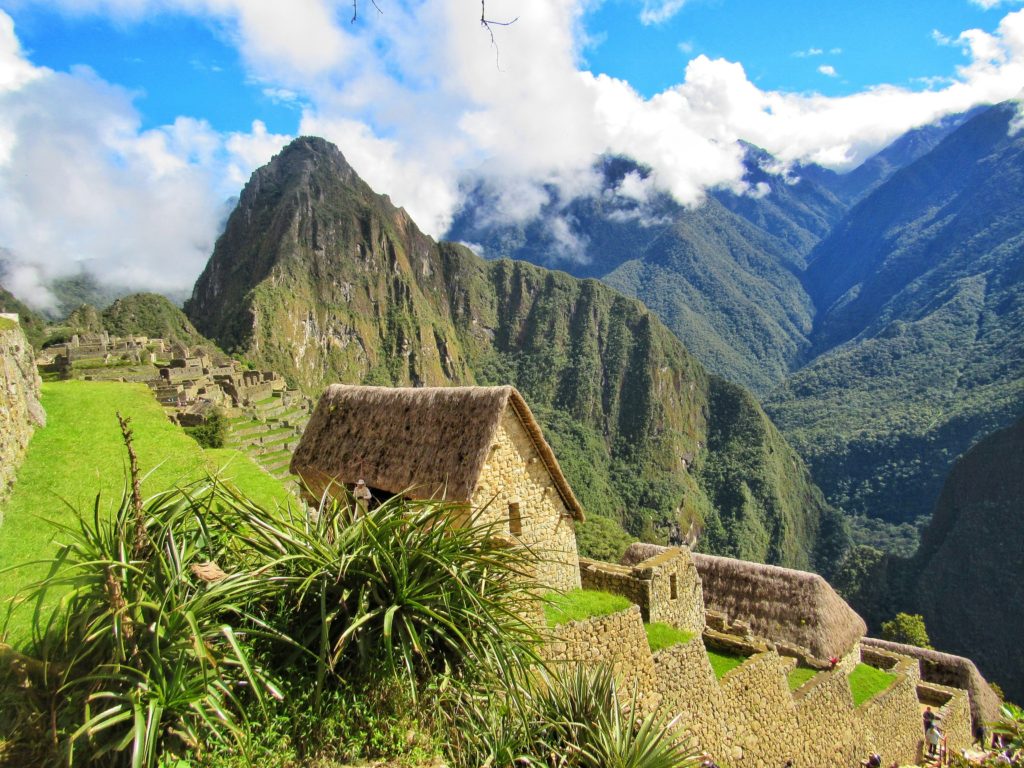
x,y
212,432
403,591
906,628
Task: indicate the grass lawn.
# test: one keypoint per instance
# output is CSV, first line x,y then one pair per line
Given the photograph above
x,y
866,681
661,635
79,454
579,604
722,662
800,675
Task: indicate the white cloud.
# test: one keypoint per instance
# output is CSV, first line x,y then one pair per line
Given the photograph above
x,y
85,188
808,53
990,4
660,11
828,70
416,101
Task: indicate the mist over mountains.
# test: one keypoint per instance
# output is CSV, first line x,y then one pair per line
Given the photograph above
x,y
876,312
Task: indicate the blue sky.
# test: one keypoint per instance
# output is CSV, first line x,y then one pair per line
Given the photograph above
x,y
126,126
782,44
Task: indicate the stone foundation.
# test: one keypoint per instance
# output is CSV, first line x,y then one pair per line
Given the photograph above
x,y
20,410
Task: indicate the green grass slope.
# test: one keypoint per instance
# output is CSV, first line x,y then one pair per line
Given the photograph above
x,y
80,453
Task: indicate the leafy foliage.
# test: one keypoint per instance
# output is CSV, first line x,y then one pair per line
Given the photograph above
x,y
141,660
212,432
906,628
179,619
1010,726
574,717
402,591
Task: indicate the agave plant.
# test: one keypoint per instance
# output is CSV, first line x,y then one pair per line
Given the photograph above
x,y
569,717
148,637
406,590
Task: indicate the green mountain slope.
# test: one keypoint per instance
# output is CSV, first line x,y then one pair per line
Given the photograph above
x,y
32,323
324,280
153,315
722,276
966,576
922,331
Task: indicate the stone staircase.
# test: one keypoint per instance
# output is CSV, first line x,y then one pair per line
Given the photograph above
x,y
269,430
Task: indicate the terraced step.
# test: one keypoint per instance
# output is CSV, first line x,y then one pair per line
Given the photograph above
x,y
253,428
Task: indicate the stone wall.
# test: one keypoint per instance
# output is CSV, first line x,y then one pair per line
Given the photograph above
x,y
617,641
953,707
891,721
750,717
948,670
515,488
20,410
666,587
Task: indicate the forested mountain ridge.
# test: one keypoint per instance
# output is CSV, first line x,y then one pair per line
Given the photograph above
x,y
920,327
322,279
723,276
885,337
966,576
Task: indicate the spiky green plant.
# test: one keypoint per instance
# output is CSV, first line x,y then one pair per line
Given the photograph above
x,y
570,717
406,590
147,638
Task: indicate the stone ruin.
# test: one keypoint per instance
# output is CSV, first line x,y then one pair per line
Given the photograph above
x,y
189,381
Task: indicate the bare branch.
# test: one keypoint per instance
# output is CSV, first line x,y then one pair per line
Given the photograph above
x,y
488,24
355,9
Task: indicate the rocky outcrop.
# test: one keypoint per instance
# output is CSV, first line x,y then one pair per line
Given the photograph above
x,y
20,409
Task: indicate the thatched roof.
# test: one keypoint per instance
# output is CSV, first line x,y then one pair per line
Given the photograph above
x,y
780,604
953,671
425,442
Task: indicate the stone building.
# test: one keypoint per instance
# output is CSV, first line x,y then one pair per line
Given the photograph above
x,y
478,445
799,611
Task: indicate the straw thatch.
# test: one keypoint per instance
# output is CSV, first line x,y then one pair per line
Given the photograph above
x,y
780,604
425,442
949,670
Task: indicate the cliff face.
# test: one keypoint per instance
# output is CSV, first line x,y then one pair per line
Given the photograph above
x,y
966,576
322,279
20,410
